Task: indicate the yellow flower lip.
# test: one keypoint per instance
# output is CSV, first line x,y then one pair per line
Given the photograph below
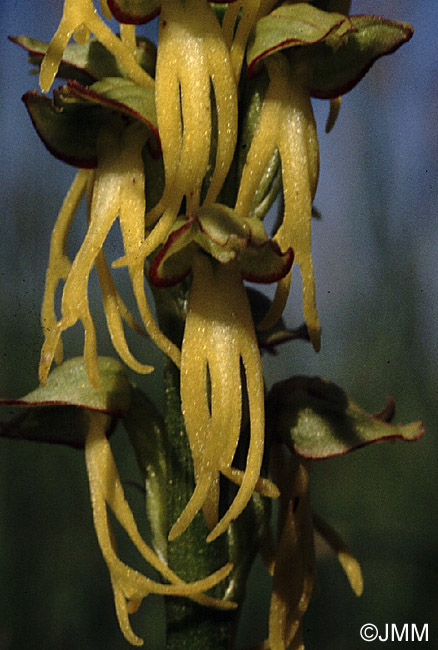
x,y
287,124
79,14
129,585
219,336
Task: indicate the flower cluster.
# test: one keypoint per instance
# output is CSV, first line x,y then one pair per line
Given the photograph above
x,y
189,149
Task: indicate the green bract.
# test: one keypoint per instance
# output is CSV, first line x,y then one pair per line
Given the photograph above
x,y
318,420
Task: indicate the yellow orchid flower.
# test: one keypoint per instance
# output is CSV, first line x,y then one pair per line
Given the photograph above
x,y
219,336
80,17
287,124
129,585
118,190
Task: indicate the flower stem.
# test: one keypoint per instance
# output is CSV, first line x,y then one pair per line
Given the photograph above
x,y
190,625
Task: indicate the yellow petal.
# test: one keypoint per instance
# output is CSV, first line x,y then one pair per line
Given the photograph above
x,y
294,561
287,120
236,38
81,14
106,489
59,263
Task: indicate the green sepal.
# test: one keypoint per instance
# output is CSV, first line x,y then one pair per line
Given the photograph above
x,y
90,61
293,26
173,262
55,412
145,427
116,94
225,237
220,233
138,12
334,50
338,69
60,425
340,6
317,419
69,124
69,132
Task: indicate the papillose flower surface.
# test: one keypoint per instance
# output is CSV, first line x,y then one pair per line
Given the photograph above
x,y
188,152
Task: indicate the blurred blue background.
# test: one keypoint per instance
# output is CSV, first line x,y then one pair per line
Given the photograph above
x,y
375,253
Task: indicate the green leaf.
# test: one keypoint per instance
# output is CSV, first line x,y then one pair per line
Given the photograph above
x,y
293,26
68,385
134,12
88,62
318,420
69,124
145,427
336,70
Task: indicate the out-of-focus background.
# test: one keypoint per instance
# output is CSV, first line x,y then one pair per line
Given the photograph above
x,y
375,253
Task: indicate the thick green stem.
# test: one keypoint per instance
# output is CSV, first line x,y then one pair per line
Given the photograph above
x,y
190,625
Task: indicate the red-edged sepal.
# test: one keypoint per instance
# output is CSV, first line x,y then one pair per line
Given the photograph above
x,y
336,50
318,420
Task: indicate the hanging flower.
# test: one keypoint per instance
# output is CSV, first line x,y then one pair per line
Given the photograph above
x,y
287,124
116,189
188,154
